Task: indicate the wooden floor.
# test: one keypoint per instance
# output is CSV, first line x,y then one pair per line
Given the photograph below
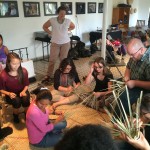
x,y
78,114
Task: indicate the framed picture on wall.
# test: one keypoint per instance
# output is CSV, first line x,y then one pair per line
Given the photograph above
x,y
91,7
68,6
80,8
31,9
8,9
100,7
50,8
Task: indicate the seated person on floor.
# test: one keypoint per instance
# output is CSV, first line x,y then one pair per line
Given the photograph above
x,y
131,144
147,42
14,84
110,57
41,131
97,137
87,137
137,73
3,53
65,80
100,73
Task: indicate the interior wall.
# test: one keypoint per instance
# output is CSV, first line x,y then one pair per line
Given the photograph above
x,y
142,13
143,10
19,31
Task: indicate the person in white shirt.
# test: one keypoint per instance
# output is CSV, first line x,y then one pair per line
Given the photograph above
x,y
60,40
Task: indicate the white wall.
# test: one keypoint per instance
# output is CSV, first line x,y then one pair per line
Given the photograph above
x,y
143,10
19,31
142,6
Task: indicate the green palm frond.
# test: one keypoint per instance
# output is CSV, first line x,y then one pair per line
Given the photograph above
x,y
124,122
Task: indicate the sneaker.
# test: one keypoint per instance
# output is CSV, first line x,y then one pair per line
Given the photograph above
x,y
5,132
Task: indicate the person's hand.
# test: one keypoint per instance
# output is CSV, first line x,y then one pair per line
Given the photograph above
x,y
92,68
75,85
69,89
59,119
130,84
140,143
97,94
58,112
126,78
23,94
109,43
12,95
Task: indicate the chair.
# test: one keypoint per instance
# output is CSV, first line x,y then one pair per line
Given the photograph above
x,y
140,23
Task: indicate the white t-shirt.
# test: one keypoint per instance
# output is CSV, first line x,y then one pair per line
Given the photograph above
x,y
60,31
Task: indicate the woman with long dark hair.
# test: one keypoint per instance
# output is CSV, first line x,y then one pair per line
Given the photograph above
x,y
65,80
14,84
100,73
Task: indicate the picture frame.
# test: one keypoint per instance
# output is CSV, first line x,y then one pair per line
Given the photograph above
x,y
50,8
68,6
100,7
80,8
31,9
9,9
91,7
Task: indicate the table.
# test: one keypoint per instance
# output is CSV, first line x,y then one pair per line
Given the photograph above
x,y
44,38
115,34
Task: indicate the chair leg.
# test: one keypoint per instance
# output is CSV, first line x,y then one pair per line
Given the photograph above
x,y
3,112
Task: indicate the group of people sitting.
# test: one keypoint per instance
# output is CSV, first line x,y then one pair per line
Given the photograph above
x,y
14,84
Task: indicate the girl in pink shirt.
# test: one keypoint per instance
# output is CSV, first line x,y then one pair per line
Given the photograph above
x,y
41,132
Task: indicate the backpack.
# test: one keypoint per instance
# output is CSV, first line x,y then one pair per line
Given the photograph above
x,y
85,53
73,53
93,48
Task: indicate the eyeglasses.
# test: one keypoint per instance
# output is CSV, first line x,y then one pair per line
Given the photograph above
x,y
99,67
135,52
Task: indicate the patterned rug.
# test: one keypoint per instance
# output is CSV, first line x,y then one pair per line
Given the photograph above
x,y
78,114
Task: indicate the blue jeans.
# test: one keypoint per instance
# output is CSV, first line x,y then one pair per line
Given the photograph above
x,y
53,137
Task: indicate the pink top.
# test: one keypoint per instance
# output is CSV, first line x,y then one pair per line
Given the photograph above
x,y
37,124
